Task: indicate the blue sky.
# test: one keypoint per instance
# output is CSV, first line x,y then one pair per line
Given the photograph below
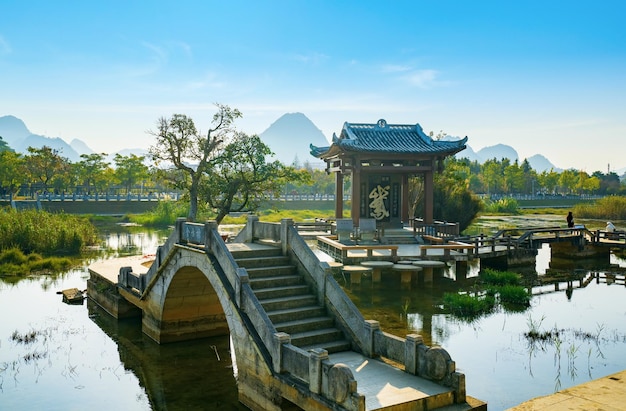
x,y
545,77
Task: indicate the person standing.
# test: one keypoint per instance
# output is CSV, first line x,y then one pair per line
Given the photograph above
x,y
570,219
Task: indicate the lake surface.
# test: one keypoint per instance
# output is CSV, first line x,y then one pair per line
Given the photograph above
x,y
69,357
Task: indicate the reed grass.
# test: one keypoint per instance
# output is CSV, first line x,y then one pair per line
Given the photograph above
x,y
33,231
607,208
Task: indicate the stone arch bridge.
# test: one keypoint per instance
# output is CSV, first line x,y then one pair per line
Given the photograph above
x,y
299,342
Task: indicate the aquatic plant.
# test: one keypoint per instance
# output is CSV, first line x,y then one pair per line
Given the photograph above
x,y
469,305
499,278
514,294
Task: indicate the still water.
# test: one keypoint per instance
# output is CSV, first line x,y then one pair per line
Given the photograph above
x,y
55,356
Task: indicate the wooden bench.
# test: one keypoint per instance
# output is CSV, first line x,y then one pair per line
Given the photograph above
x,y
340,251
447,247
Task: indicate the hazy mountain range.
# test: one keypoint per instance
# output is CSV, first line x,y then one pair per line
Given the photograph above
x,y
288,137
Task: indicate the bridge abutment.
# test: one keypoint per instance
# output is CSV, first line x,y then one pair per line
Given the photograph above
x,y
579,251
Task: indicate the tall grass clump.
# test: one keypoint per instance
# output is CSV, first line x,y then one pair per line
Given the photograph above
x,y
607,208
13,262
514,294
499,278
506,285
504,205
33,231
501,287
164,214
469,305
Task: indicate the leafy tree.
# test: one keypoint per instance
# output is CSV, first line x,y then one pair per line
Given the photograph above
x,y
240,178
12,171
492,176
130,169
4,146
44,164
549,181
92,170
568,180
453,201
179,145
609,183
514,181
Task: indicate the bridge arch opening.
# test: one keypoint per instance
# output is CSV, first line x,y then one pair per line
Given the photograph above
x,y
191,308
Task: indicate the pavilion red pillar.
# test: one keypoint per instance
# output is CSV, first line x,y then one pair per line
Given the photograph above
x,y
429,197
338,195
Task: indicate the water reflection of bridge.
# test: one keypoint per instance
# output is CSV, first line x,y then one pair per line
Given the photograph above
x,y
580,280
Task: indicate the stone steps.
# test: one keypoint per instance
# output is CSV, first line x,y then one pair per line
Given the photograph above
x,y
297,313
252,262
270,271
289,301
277,292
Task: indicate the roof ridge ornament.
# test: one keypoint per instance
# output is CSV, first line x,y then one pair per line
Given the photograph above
x,y
382,123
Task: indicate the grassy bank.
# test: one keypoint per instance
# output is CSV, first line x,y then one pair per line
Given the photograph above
x,y
32,241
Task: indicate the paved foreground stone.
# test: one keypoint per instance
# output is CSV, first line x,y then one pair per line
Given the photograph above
x,y
606,393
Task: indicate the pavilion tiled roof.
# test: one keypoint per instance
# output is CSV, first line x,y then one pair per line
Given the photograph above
x,y
382,137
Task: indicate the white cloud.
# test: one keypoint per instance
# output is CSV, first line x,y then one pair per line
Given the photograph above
x,y
423,78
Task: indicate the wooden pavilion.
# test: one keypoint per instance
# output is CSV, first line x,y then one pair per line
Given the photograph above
x,y
380,158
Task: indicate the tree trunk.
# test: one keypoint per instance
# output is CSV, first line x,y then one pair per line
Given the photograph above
x,y
193,201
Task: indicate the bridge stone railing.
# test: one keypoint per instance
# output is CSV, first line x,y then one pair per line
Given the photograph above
x,y
143,282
